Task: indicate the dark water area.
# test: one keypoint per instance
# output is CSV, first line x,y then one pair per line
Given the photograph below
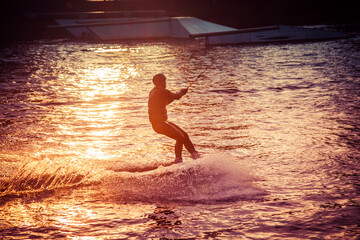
x,y
277,125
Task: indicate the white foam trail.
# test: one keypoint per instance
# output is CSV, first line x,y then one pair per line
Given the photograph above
x,y
216,177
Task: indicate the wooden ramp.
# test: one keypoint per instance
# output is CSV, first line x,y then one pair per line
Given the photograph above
x,y
197,27
187,27
140,28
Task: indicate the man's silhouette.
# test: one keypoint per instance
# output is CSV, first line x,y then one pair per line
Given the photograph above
x,y
159,97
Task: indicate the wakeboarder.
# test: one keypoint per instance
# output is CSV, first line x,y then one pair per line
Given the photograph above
x,y
159,98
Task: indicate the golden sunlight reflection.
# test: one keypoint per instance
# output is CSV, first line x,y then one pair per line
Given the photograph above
x,y
93,153
74,215
97,114
103,82
109,49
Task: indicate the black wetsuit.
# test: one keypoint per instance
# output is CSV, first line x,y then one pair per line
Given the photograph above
x,y
159,97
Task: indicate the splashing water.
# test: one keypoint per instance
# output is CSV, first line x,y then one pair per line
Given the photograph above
x,y
215,177
45,175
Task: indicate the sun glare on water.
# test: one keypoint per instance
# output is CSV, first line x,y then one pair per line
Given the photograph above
x,y
93,111
103,83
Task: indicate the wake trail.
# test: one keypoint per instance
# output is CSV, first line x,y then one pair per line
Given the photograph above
x,y
216,177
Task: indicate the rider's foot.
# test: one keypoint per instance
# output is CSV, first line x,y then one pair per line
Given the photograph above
x,y
178,160
195,155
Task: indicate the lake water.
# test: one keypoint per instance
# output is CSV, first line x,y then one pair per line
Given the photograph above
x,y
278,126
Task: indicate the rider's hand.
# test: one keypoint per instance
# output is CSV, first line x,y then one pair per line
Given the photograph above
x,y
184,91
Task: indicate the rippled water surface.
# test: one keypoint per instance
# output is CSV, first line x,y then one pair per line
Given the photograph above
x,y
278,126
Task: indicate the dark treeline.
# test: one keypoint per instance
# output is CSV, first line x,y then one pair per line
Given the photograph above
x,y
234,13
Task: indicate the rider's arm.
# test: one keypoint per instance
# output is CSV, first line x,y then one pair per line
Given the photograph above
x,y
175,96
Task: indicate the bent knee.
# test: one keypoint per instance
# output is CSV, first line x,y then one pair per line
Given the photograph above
x,y
181,138
179,142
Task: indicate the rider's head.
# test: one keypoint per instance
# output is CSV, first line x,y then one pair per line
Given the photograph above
x,y
159,80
